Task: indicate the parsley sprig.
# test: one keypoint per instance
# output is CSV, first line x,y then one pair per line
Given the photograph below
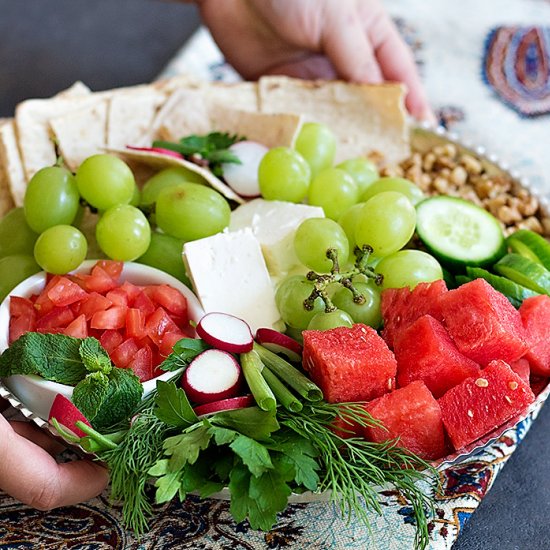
x,y
211,149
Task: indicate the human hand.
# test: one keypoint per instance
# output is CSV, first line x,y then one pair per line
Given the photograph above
x,y
30,474
350,39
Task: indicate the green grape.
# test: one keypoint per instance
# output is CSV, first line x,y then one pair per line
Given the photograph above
x,y
60,249
190,211
348,222
408,268
123,232
15,269
401,185
290,297
164,253
317,144
51,198
105,181
16,237
284,175
334,190
362,170
333,319
314,237
136,197
386,223
167,178
367,313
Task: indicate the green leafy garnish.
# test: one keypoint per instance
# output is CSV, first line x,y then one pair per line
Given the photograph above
x,y
184,351
173,407
94,356
212,148
55,357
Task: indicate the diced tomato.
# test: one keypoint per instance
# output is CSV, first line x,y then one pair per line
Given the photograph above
x,y
77,328
93,303
123,354
168,341
142,364
159,323
21,306
170,299
135,323
143,302
57,318
131,291
118,297
110,339
65,292
43,303
112,318
99,281
111,267
26,322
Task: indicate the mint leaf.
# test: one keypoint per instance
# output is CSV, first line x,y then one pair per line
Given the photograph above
x,y
172,406
89,394
185,350
54,357
253,454
251,421
94,356
123,395
185,448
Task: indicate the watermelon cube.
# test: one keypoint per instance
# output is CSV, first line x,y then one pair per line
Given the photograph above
x,y
401,306
349,364
484,325
535,315
522,368
480,404
412,414
425,351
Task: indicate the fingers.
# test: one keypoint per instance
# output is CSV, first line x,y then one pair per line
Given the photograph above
x,y
397,64
32,476
308,67
37,436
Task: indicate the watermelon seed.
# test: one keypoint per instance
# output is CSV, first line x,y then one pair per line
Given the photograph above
x,y
508,399
513,385
471,413
482,383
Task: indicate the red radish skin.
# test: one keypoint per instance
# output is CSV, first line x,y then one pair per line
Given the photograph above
x,y
162,151
211,376
277,342
67,414
234,403
225,332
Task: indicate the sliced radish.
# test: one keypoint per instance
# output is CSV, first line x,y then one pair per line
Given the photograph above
x,y
67,414
241,402
225,332
277,342
161,150
211,376
243,178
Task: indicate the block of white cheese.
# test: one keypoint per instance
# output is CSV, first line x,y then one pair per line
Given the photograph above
x,y
229,275
274,224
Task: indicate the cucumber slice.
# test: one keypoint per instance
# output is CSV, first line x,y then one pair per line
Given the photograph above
x,y
458,232
531,245
525,272
515,292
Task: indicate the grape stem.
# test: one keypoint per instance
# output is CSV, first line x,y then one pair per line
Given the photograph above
x,y
322,281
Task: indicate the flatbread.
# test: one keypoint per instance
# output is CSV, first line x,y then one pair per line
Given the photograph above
x,y
81,133
364,118
11,164
6,201
160,161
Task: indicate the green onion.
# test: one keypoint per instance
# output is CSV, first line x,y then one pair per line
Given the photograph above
x,y
252,368
103,442
288,400
291,375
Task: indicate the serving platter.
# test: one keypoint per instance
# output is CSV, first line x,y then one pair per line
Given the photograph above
x,y
423,138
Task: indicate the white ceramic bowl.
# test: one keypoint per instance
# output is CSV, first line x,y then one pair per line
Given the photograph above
x,y
38,394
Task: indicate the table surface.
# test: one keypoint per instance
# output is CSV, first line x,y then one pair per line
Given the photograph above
x,y
46,46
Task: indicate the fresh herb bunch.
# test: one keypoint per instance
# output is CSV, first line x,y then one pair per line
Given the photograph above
x,y
211,150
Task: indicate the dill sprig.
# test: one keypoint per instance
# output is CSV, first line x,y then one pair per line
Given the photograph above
x,y
353,468
129,464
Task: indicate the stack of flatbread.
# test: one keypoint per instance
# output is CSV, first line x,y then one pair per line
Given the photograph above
x,y
78,123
